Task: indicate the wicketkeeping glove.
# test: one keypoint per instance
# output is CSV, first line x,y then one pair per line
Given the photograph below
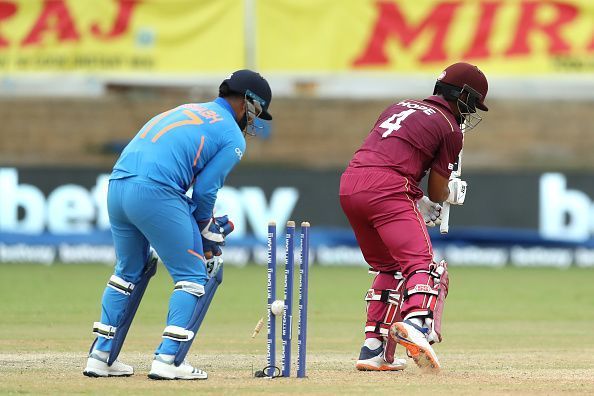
x,y
457,191
430,211
214,231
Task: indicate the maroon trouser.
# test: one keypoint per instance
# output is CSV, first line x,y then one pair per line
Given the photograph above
x,y
381,208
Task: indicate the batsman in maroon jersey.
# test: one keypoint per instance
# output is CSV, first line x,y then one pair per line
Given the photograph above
x,y
380,195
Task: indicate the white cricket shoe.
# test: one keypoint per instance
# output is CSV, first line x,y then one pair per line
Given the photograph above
x,y
415,342
373,359
97,366
163,368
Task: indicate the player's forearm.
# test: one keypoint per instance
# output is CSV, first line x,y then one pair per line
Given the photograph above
x,y
437,187
204,206
439,196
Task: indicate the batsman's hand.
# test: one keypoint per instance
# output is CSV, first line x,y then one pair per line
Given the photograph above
x,y
430,211
214,231
458,190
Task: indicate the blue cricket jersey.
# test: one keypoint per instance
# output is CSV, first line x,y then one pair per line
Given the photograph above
x,y
196,143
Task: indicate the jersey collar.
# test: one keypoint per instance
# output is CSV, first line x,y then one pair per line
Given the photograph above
x,y
438,100
224,104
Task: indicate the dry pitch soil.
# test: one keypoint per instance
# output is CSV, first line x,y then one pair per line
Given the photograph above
x,y
508,332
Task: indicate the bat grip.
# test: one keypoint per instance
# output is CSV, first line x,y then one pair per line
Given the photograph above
x,y
444,227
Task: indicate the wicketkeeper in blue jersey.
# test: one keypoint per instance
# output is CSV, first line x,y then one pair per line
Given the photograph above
x,y
193,145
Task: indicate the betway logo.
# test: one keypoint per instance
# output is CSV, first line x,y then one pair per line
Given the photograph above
x,y
565,214
69,209
73,209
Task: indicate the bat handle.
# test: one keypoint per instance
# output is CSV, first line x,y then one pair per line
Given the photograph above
x,y
444,227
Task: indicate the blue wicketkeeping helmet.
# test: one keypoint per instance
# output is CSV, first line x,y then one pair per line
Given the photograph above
x,y
253,86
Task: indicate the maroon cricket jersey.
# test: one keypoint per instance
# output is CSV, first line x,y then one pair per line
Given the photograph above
x,y
410,137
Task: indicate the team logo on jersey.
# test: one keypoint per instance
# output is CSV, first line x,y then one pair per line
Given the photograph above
x,y
450,166
238,152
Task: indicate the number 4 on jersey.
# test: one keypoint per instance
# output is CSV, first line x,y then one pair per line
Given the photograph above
x,y
391,126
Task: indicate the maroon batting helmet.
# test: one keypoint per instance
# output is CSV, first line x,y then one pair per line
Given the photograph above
x,y
457,78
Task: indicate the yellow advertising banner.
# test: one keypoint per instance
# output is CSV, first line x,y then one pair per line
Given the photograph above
x,y
121,36
181,37
510,37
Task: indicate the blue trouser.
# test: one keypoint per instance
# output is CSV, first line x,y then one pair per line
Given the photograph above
x,y
143,212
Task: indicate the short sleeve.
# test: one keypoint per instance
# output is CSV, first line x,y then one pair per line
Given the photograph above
x,y
447,154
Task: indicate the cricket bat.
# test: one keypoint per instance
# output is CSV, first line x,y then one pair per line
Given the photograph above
x,y
444,227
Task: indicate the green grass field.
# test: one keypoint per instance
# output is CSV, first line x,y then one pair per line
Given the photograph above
x,y
507,331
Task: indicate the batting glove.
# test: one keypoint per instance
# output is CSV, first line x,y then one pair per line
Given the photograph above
x,y
213,265
457,191
430,211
